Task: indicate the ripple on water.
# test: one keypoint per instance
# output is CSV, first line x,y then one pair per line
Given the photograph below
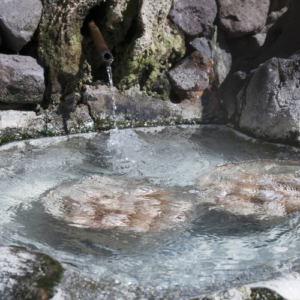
x,y
214,247
260,188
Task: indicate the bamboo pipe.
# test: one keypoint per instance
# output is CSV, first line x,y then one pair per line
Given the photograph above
x,y
100,43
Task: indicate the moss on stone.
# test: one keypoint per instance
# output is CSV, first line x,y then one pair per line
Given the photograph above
x,y
39,284
108,123
264,294
61,54
146,69
101,124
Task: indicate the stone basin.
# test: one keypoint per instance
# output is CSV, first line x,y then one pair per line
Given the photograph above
x,y
262,188
109,203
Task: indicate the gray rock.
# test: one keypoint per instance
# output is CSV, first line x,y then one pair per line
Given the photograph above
x,y
71,101
192,75
60,122
26,274
21,119
18,21
21,79
275,15
220,53
238,293
239,18
201,45
138,107
194,16
282,41
271,107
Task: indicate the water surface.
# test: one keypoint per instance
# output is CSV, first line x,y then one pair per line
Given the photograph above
x,y
212,250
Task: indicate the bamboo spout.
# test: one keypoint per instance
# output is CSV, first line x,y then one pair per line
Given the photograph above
x,y
100,43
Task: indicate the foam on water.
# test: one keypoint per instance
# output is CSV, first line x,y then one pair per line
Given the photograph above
x,y
212,250
288,286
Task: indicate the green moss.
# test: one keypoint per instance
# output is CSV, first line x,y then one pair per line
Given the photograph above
x,y
108,123
39,284
264,294
61,55
148,68
53,274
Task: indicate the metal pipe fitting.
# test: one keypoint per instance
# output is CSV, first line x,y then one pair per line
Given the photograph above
x,y
100,43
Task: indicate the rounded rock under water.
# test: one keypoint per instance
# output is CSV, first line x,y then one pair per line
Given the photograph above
x,y
260,188
109,203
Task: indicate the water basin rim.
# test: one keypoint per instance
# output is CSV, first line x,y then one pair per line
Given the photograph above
x,y
45,140
36,141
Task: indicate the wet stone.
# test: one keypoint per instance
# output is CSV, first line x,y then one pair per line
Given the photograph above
x,y
107,203
260,188
27,275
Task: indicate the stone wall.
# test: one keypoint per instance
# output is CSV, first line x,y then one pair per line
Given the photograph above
x,y
205,54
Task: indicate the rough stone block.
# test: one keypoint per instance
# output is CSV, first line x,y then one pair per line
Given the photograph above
x,y
194,16
21,79
18,21
239,18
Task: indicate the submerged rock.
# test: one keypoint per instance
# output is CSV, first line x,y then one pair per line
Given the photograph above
x,y
239,18
27,275
21,79
19,20
107,203
260,188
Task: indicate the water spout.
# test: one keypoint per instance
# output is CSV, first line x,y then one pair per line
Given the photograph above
x,y
100,43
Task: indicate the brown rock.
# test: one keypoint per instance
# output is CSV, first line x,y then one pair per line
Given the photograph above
x,y
192,75
107,203
260,188
194,16
239,18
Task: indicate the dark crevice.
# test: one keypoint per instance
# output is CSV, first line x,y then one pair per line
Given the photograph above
x,y
174,98
31,48
4,50
96,14
232,18
18,106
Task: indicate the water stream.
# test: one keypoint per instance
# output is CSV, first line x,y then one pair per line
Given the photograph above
x,y
191,249
111,84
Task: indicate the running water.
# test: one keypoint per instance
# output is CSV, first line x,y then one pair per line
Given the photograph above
x,y
110,78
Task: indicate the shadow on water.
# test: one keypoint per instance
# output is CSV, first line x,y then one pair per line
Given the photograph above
x,y
222,224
